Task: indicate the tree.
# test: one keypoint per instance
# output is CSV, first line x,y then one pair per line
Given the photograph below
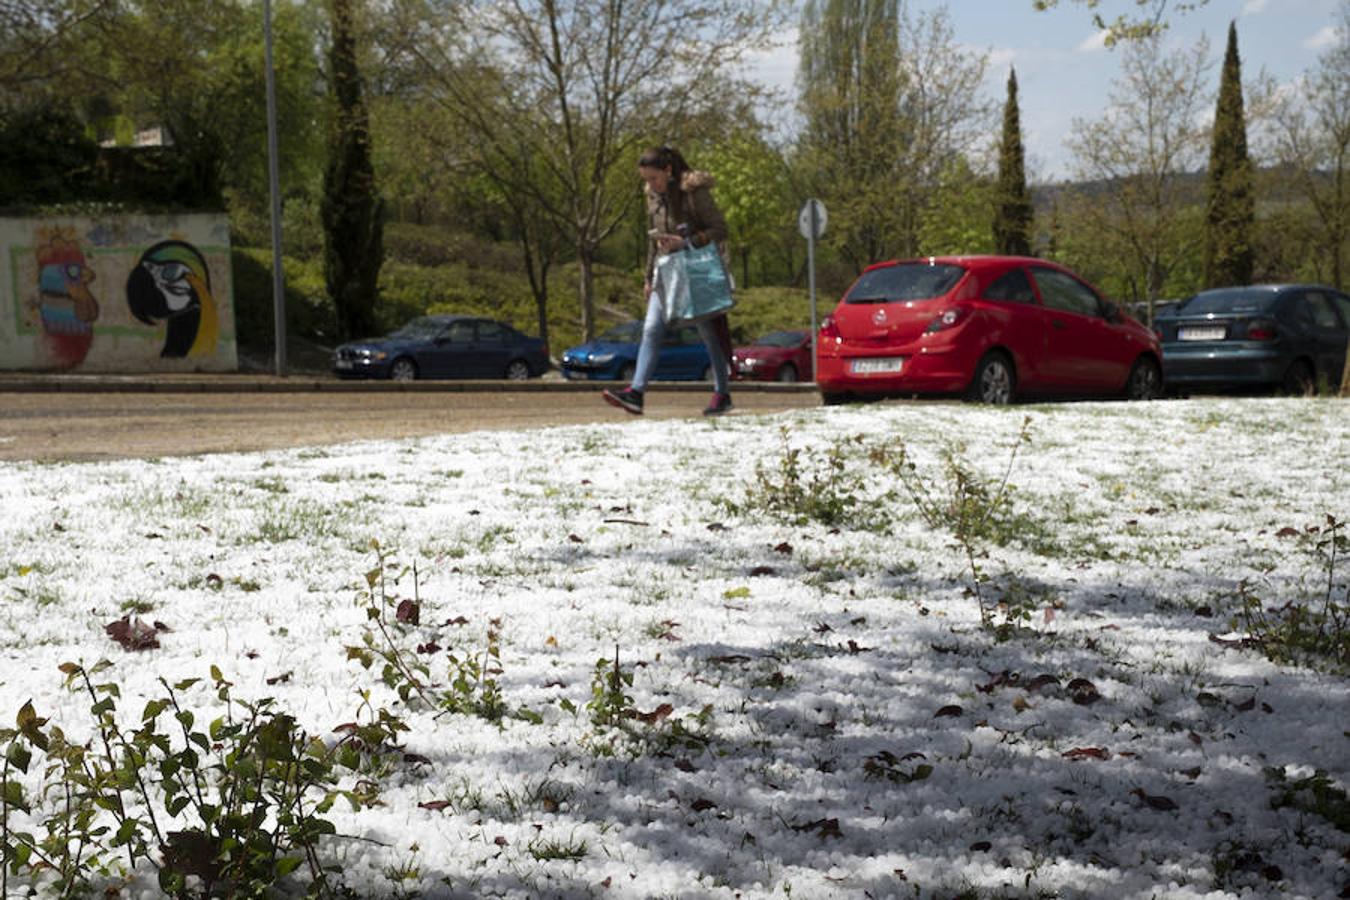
x,y
351,208
1149,22
889,99
39,43
1230,207
751,191
559,98
1138,156
1013,212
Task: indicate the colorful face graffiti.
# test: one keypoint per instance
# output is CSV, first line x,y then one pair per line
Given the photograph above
x,y
65,306
171,283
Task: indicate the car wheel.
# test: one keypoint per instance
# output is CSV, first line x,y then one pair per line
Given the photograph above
x,y
788,373
627,372
994,380
518,370
1145,381
1298,380
403,369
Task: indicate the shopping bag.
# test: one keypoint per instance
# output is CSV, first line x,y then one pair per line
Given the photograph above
x,y
694,285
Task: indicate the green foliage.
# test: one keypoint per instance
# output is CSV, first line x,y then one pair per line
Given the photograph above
x,y
249,790
1313,629
610,702
1316,794
975,510
805,486
1230,209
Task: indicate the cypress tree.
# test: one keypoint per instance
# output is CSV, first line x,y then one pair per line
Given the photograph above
x,y
351,209
1013,213
1230,209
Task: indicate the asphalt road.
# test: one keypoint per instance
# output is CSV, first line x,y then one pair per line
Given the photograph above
x,y
158,420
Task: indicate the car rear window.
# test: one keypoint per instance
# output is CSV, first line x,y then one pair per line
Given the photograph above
x,y
780,339
1227,303
906,281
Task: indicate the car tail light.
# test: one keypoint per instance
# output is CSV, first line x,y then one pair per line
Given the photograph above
x,y
1261,330
948,318
829,329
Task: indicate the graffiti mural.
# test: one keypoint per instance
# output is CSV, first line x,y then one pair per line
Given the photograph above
x,y
171,283
117,294
64,305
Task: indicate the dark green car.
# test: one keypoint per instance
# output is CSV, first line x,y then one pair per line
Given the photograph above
x,y
1290,337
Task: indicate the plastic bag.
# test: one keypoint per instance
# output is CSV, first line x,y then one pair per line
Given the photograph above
x,y
694,285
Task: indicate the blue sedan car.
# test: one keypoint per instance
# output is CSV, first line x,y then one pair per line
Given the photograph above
x,y
613,356
444,347
1291,337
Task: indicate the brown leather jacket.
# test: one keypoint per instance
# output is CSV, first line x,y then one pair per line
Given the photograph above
x,y
692,206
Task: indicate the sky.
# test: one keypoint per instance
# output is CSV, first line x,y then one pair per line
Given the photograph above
x,y
1065,72
813,710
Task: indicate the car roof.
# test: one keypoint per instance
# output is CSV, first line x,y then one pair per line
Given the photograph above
x,y
970,260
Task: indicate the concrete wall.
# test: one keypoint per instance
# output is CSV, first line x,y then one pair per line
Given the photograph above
x,y
125,293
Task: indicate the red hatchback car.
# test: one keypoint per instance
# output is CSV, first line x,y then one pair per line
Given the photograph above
x,y
776,356
989,327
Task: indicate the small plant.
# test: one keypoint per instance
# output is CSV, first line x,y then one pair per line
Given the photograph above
x,y
971,507
610,704
804,486
473,680
249,790
1304,629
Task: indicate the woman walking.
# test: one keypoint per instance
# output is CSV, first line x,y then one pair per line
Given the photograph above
x,y
681,214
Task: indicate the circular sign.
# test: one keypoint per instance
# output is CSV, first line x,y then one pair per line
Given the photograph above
x,y
804,220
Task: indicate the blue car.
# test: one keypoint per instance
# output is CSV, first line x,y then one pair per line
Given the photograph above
x,y
1291,337
444,347
613,356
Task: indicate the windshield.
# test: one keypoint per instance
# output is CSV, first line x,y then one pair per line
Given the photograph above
x,y
423,329
1228,303
627,333
907,281
781,339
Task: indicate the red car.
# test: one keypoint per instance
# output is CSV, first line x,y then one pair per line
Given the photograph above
x,y
990,327
777,356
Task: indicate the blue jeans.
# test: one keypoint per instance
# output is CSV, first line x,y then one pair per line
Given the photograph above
x,y
654,330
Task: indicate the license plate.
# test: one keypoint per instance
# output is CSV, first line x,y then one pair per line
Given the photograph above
x,y
877,366
1207,333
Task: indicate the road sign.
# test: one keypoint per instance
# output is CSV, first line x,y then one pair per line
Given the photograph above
x,y
811,220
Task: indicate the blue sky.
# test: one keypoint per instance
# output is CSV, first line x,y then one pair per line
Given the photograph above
x,y
1064,71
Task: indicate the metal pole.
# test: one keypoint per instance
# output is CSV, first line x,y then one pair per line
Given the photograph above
x,y
274,187
811,281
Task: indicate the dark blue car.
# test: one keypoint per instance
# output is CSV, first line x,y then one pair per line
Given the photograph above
x,y
613,356
444,347
1287,336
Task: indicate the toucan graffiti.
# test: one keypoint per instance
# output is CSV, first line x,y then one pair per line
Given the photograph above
x,y
65,305
171,283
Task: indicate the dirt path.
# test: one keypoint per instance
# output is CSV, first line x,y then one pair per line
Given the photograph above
x,y
93,426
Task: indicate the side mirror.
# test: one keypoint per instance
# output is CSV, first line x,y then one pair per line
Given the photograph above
x,y
1111,312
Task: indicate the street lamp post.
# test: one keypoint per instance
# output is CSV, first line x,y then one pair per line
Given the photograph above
x,y
274,188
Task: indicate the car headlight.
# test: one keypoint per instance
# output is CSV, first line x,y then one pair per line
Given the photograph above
x,y
601,359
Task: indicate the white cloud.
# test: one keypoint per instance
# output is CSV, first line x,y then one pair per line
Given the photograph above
x,y
1001,57
1253,7
1324,37
1094,43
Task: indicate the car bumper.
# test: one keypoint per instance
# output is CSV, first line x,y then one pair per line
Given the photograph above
x,y
574,372
841,367
1236,365
361,368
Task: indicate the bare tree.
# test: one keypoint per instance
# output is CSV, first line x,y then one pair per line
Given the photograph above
x,y
35,36
557,98
1148,20
1140,151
